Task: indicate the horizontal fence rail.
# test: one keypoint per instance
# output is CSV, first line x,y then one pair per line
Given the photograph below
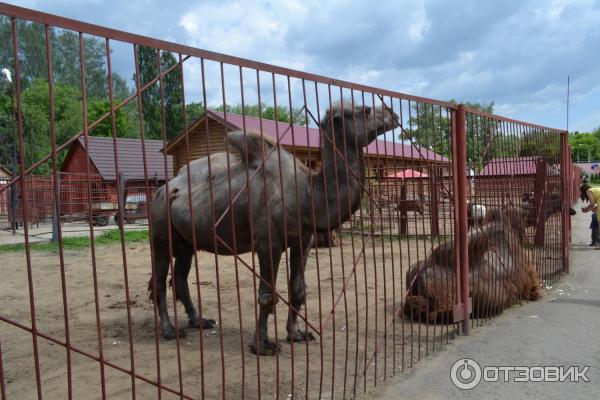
x,y
178,223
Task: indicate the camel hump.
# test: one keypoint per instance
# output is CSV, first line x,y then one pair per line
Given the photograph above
x,y
250,146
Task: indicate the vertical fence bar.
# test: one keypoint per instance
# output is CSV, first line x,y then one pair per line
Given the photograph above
x,y
2,388
86,138
540,202
460,160
121,214
22,169
565,199
56,211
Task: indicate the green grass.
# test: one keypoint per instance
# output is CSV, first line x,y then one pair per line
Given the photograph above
x,y
74,243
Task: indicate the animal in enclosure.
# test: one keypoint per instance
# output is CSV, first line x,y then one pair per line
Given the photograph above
x,y
416,206
326,239
552,205
499,272
475,214
271,212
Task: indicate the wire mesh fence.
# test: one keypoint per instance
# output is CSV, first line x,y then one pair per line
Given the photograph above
x,y
305,237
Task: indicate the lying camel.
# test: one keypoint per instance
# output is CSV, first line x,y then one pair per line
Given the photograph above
x,y
499,272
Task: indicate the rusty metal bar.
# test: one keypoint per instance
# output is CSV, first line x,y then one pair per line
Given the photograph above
x,y
57,208
460,160
34,333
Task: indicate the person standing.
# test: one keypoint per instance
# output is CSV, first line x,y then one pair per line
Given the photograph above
x,y
592,196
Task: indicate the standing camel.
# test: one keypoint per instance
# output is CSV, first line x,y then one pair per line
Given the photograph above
x,y
276,224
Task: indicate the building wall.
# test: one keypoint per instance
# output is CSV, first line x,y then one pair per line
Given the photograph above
x,y
198,143
76,163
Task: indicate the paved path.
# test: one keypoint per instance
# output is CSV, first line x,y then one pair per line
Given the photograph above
x,y
562,329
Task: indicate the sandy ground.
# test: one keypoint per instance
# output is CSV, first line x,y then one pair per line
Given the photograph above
x,y
354,314
358,332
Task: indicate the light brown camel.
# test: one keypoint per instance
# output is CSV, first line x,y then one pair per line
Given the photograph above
x,y
499,272
346,131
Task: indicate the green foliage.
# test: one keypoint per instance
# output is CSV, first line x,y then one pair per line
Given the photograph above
x,y
36,119
124,122
536,142
153,101
430,127
109,237
267,112
194,111
585,146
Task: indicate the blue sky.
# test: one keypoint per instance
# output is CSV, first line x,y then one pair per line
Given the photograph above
x,y
515,53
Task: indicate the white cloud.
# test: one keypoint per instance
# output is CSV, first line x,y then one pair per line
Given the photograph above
x,y
515,53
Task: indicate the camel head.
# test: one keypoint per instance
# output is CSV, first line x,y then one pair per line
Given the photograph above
x,y
552,205
512,218
361,124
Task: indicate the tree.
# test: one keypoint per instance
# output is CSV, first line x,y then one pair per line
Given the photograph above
x,y
124,124
430,127
151,97
267,112
585,146
194,110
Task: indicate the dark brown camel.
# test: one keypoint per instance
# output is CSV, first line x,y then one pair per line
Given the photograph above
x,y
346,131
499,273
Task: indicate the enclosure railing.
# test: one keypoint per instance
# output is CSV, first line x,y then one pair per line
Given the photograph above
x,y
418,193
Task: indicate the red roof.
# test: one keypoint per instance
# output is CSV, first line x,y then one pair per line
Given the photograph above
x,y
272,128
406,174
310,137
131,161
510,166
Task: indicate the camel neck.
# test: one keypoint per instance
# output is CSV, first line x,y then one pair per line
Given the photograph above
x,y
338,184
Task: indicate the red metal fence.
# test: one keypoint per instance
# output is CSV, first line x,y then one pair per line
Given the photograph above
x,y
444,216
77,204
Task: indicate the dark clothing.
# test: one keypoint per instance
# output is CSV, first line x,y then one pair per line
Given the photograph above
x,y
594,223
595,227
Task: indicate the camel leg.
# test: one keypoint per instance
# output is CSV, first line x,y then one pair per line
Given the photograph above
x,y
161,266
183,263
262,344
299,256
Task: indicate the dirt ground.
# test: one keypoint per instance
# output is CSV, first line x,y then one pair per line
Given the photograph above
x,y
359,332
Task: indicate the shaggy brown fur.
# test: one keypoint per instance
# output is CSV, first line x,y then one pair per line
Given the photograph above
x,y
499,273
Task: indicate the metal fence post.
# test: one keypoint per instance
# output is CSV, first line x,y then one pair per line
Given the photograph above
x,y
55,216
459,153
540,202
121,192
434,199
564,183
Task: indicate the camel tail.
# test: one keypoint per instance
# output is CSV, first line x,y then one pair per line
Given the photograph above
x,y
251,147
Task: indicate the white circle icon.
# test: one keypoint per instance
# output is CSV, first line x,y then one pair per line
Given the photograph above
x,y
465,373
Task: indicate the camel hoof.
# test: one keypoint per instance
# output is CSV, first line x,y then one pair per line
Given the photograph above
x,y
206,324
300,336
170,333
264,347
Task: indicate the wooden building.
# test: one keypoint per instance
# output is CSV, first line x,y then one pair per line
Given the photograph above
x,y
383,157
5,177
103,176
